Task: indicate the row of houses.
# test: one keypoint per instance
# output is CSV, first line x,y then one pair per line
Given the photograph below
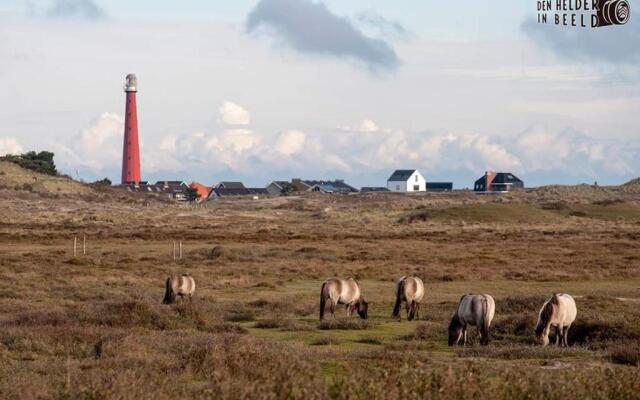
x,y
181,191
401,181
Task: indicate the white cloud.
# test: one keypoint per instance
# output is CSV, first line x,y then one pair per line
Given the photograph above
x,y
98,147
290,142
494,155
233,114
9,145
365,126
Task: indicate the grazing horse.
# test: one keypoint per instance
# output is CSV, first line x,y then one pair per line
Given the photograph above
x,y
475,310
559,311
178,285
409,289
342,291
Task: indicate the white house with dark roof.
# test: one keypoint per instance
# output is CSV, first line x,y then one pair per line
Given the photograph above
x,y
406,180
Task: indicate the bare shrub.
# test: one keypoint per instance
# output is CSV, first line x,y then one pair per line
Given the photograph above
x,y
608,202
625,353
269,324
554,205
349,324
217,252
415,216
518,352
517,327
598,333
369,340
239,313
325,341
427,330
128,314
224,328
519,304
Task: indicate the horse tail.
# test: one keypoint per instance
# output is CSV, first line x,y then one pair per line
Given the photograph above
x,y
396,307
168,298
485,321
323,300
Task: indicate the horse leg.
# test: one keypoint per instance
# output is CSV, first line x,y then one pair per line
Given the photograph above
x,y
559,337
565,336
464,332
332,308
408,306
417,305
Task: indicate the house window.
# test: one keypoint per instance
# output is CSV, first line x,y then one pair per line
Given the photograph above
x,y
416,177
397,188
416,188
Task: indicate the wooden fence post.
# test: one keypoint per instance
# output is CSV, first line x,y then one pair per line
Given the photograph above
x,y
174,250
84,245
75,243
181,249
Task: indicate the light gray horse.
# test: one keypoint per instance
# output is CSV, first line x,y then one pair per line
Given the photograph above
x,y
342,291
409,289
178,285
475,310
559,311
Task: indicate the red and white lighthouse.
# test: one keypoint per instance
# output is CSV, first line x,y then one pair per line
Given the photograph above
x,y
131,147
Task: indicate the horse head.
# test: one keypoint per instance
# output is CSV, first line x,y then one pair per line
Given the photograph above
x,y
455,330
363,309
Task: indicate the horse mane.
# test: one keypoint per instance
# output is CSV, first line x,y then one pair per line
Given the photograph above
x,y
399,290
455,321
168,298
546,313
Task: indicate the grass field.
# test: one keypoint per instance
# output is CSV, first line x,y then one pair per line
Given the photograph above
x,y
94,327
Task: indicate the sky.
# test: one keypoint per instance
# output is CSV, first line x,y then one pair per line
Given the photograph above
x,y
262,90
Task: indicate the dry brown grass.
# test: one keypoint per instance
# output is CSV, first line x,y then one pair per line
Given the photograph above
x,y
94,326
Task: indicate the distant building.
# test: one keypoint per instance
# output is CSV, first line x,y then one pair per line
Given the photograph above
x,y
497,182
227,192
370,189
230,185
173,189
439,186
335,186
406,180
203,191
277,188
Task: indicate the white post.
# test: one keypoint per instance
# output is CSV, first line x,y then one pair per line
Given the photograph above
x,y
75,243
174,250
84,245
181,249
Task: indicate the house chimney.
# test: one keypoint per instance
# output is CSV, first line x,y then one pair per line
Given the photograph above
x,y
488,180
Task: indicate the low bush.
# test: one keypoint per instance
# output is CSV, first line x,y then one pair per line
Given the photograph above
x,y
325,341
517,304
354,324
625,353
369,340
415,216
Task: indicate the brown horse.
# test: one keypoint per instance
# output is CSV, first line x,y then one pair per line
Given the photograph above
x,y
409,289
178,285
342,291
